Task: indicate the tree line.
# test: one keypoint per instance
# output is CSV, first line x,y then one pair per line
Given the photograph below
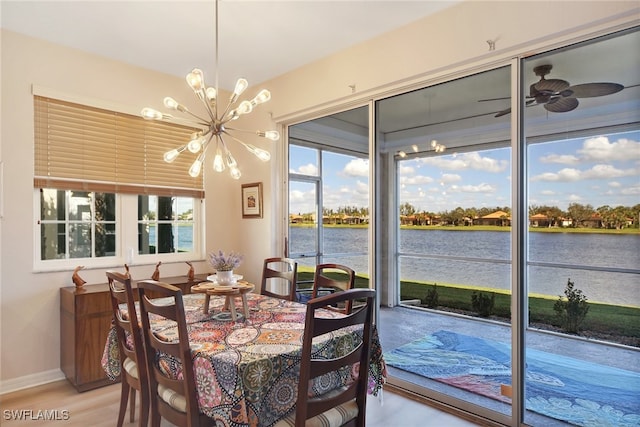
x,y
576,215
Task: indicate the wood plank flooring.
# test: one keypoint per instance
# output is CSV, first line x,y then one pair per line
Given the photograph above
x,y
99,408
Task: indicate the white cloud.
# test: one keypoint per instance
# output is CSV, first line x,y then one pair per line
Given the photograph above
x,y
615,184
566,159
357,167
480,188
596,172
301,201
406,170
607,172
631,191
309,169
450,177
601,150
467,161
362,188
566,174
346,195
415,180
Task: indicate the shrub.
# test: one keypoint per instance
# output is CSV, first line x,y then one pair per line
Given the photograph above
x,y
482,303
572,309
431,300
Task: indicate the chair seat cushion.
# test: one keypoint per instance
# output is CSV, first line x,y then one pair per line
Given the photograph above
x,y
176,400
334,417
130,367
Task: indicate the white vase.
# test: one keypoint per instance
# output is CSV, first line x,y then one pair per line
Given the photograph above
x,y
224,277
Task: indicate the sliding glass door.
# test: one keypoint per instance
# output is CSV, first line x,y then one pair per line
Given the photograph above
x,y
448,334
583,247
507,210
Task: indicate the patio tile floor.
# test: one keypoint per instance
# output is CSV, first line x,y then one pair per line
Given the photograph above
x,y
401,325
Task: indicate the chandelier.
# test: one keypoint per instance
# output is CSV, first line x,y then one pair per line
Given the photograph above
x,y
215,126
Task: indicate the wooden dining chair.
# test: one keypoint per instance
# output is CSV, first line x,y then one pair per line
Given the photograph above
x,y
345,406
133,364
172,399
277,271
331,278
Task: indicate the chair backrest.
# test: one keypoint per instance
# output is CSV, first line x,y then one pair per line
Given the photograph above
x,y
130,340
172,399
331,278
311,367
277,271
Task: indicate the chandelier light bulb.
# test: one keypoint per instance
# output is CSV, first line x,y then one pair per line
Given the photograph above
x,y
273,135
211,93
241,86
171,103
195,168
196,143
231,161
171,155
235,173
233,115
402,154
195,79
259,153
151,114
434,143
218,161
262,97
245,107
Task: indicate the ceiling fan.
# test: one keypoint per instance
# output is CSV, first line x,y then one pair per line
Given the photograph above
x,y
558,96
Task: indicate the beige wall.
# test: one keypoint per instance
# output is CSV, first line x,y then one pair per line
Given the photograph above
x,y
455,39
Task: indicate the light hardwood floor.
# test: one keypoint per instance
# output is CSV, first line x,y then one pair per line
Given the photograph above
x,y
99,408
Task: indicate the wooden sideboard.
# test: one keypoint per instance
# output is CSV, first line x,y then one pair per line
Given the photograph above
x,y
85,320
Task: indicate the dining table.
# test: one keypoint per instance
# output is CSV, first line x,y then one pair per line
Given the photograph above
x,y
247,370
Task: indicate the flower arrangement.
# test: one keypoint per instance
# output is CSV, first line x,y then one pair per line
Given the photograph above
x,y
222,262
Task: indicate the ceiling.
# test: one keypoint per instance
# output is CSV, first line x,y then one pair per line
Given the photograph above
x,y
453,114
257,40
262,39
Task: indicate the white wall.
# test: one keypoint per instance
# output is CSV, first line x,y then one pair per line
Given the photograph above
x,y
453,39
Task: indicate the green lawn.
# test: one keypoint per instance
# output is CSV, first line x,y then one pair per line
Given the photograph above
x,y
602,319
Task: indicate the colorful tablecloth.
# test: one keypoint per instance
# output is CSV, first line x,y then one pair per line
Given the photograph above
x,y
247,371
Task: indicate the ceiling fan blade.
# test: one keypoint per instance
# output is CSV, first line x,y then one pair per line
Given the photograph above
x,y
561,105
508,110
494,99
503,112
590,90
551,85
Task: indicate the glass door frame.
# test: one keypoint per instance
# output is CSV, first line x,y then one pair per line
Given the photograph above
x,y
382,221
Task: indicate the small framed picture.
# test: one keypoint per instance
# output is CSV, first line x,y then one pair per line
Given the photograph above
x,y
252,200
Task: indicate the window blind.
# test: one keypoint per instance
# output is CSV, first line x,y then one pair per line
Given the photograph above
x,y
78,147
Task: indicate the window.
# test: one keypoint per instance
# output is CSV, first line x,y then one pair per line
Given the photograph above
x,y
329,191
77,224
165,224
104,195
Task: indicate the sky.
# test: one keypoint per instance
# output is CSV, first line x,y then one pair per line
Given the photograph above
x,y
601,170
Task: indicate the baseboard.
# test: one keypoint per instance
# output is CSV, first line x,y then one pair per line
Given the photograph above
x,y
28,381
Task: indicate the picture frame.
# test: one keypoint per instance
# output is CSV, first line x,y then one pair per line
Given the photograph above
x,y
252,200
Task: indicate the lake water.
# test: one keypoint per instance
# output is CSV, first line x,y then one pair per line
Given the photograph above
x,y
427,257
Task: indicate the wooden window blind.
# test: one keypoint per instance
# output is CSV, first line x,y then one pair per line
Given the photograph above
x,y
85,148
